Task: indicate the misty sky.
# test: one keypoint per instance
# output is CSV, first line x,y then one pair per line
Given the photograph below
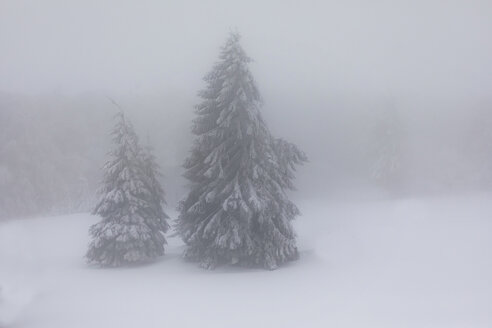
x,y
324,67
310,48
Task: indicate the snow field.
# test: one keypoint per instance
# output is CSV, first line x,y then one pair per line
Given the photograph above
x,y
402,263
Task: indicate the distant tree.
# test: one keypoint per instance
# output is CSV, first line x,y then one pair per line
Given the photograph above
x,y
237,210
387,148
477,144
133,222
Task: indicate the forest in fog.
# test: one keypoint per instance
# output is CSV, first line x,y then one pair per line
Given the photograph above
x,y
53,147
345,82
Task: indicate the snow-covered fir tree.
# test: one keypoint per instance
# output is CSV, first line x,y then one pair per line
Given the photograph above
x,y
237,210
133,221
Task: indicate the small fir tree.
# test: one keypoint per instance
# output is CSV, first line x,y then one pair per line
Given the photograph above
x,y
133,222
237,210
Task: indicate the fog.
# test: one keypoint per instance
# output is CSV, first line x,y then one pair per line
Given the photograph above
x,y
327,71
386,224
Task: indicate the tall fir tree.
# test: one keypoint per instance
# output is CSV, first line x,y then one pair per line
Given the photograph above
x,y
237,210
133,221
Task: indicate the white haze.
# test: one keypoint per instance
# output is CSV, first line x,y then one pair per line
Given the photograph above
x,y
326,71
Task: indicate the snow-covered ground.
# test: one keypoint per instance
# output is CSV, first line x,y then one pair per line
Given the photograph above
x,y
404,263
